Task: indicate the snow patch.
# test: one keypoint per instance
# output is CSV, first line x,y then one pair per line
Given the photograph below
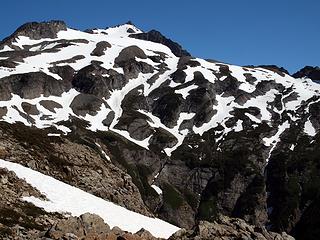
x,y
65,198
179,134
309,129
185,91
54,134
96,121
273,140
103,152
157,189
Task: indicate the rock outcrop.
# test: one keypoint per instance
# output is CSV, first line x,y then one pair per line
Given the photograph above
x,y
92,227
308,72
81,164
36,31
226,228
156,36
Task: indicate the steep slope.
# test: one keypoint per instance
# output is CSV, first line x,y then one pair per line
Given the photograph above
x,y
198,138
65,198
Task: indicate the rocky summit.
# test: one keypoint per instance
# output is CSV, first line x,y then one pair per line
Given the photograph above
x,y
123,116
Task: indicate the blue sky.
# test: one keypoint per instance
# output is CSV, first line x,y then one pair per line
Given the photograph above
x,y
281,32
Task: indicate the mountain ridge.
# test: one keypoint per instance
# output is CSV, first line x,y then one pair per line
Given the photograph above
x,y
57,25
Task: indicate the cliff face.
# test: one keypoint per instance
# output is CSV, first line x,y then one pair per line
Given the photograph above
x,y
124,114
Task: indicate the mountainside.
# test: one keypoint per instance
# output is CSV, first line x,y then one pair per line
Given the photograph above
x,y
133,118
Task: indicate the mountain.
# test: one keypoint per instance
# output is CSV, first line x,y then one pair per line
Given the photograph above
x,y
308,72
132,118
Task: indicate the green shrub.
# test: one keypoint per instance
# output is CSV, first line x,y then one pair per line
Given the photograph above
x,y
171,196
208,210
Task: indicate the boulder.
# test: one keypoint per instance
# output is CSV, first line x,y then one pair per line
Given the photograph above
x,y
87,226
100,48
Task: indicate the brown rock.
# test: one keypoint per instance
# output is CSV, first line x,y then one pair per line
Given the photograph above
x,y
94,224
3,152
226,228
111,236
144,234
87,226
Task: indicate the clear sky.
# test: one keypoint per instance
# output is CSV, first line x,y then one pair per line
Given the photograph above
x,y
243,32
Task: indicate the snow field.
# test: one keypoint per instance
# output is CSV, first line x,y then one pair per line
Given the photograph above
x,y
64,198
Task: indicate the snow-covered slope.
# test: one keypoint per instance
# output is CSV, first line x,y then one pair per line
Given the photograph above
x,y
64,198
75,49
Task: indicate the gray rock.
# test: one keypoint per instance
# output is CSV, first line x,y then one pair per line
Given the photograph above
x,y
38,30
30,108
101,47
30,85
50,105
129,53
84,104
155,36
